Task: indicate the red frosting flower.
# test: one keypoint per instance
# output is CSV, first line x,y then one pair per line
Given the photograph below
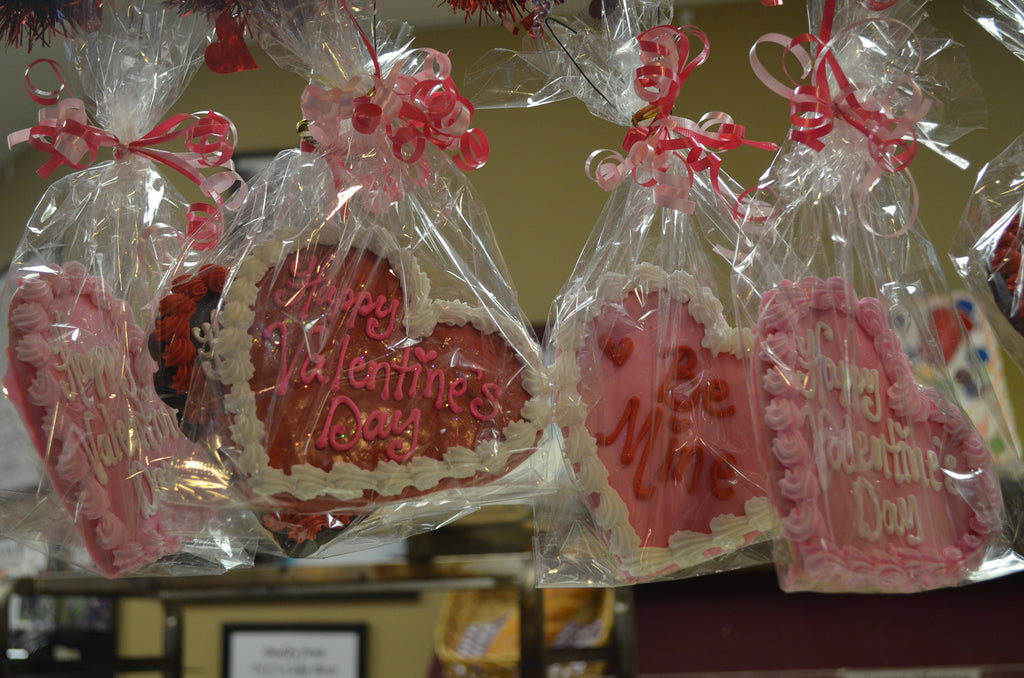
x,y
176,305
214,276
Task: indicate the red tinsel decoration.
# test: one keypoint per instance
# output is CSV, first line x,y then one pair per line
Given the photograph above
x,y
212,7
500,10
26,23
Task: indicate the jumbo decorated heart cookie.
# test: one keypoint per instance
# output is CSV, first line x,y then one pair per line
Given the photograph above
x,y
881,484
346,384
81,379
659,429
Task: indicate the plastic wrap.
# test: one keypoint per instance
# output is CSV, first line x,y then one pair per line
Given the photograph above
x,y
122,488
368,354
579,55
986,249
880,480
650,377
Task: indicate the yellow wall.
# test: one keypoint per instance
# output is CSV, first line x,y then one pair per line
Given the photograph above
x,y
542,208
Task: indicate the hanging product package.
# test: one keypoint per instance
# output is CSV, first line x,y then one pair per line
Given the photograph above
x,y
880,480
372,365
123,489
588,55
649,376
987,248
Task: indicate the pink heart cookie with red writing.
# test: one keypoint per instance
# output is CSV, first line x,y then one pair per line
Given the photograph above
x,y
660,434
347,386
881,484
81,379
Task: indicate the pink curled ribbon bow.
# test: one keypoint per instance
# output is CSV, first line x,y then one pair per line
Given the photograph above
x,y
825,93
669,150
411,109
65,134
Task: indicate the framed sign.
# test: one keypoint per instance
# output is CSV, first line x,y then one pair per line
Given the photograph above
x,y
283,651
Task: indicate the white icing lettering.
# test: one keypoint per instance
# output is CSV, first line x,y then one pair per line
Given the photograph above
x,y
874,517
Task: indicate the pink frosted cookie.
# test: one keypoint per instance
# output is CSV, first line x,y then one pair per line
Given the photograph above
x,y
81,377
347,385
881,484
660,435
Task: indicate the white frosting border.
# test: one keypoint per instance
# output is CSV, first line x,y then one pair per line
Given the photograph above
x,y
347,481
686,548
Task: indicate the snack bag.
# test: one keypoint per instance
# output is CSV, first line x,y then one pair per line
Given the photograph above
x,y
649,375
880,480
368,347
78,304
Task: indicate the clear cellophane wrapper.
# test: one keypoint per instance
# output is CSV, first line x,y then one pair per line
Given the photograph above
x,y
650,396
880,479
987,247
570,53
120,488
372,374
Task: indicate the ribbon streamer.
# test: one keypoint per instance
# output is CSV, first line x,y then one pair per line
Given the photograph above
x,y
657,150
411,109
66,135
823,92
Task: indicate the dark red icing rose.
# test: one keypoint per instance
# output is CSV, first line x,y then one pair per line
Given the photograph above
x,y
1005,278
173,343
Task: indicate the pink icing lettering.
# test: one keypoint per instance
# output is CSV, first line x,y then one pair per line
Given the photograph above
x,y
339,371
492,392
338,436
403,369
357,365
307,375
381,312
435,384
302,287
377,425
456,388
279,331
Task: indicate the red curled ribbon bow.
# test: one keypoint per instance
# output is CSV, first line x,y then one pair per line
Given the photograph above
x,y
411,109
666,152
815,103
65,134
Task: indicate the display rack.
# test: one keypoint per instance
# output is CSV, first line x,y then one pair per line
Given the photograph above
x,y
275,584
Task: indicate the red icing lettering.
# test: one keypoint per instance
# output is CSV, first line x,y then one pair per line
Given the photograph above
x,y
724,469
679,392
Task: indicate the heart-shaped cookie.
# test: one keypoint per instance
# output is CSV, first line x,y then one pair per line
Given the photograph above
x,y
658,426
881,484
346,385
81,379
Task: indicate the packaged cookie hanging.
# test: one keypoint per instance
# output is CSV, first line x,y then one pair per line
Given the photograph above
x,y
368,345
649,373
986,250
124,488
881,482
